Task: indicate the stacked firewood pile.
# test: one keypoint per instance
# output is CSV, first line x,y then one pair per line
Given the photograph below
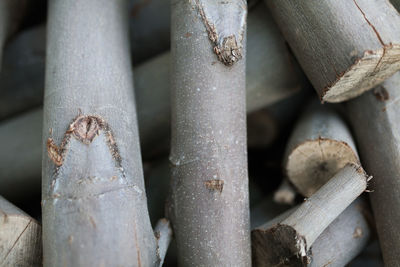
x,y
188,132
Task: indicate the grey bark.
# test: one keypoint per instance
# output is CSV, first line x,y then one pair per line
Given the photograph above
x,y
93,195
320,145
270,78
375,118
209,205
345,47
11,12
338,244
344,238
20,237
288,241
163,233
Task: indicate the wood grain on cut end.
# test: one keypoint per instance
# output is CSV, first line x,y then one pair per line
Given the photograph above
x,y
20,237
279,245
320,159
367,72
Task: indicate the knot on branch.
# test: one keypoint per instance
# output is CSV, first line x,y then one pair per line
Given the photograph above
x,y
84,128
228,52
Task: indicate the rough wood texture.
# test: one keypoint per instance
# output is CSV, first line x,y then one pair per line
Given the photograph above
x,y
375,117
20,237
11,12
209,206
338,244
320,145
287,243
93,196
345,47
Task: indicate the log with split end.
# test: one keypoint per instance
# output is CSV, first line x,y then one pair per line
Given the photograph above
x,y
338,244
288,240
345,47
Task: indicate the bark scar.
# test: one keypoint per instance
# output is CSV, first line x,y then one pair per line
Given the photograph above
x,y
215,185
227,43
84,128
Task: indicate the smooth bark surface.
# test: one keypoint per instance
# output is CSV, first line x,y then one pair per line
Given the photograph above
x,y
209,205
338,244
93,196
344,238
345,47
288,240
375,118
20,237
320,145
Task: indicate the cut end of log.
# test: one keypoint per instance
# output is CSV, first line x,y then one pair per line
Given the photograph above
x,y
367,72
320,159
280,245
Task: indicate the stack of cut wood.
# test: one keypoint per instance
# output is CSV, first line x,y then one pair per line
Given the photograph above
x,y
187,132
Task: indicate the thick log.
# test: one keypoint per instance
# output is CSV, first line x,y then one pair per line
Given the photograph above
x,y
320,145
375,118
338,244
345,47
288,241
93,196
20,237
209,206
